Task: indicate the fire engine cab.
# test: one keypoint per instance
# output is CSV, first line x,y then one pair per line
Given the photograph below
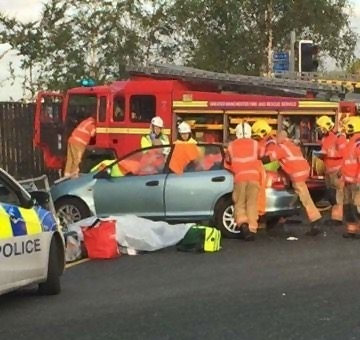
x,y
213,103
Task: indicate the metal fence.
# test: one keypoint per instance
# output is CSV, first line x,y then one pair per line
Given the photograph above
x,y
18,156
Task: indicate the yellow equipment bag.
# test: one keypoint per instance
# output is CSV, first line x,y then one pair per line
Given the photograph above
x,y
201,239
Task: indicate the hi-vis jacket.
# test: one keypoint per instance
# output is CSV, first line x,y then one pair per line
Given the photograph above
x,y
332,146
244,160
291,160
351,160
83,132
190,141
265,145
146,141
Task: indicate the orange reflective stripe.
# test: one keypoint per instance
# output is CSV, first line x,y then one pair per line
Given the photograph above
x,y
333,169
290,155
349,179
331,152
255,172
251,158
83,132
300,173
351,161
272,154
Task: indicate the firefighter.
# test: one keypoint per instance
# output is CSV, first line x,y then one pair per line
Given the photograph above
x,y
184,130
297,168
332,144
242,160
77,143
261,131
350,175
155,136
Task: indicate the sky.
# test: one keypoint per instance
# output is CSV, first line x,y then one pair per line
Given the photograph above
x,y
27,10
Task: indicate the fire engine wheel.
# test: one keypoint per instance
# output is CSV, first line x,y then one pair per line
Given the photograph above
x,y
225,221
71,210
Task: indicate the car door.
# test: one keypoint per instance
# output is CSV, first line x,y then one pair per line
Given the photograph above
x,y
140,189
194,192
23,251
7,262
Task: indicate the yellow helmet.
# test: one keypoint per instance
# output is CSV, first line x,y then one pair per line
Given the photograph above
x,y
351,125
261,128
325,124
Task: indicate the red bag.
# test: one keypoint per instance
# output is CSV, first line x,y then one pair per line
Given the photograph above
x,y
100,240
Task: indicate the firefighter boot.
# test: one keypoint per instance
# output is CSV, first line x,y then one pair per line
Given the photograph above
x,y
315,229
246,234
335,220
352,225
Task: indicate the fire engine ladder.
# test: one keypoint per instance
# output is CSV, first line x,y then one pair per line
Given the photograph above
x,y
169,71
348,82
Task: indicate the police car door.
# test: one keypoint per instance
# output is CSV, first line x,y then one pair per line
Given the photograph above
x,y
6,262
22,250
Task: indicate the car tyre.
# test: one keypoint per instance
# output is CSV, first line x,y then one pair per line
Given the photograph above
x,y
223,212
52,284
77,204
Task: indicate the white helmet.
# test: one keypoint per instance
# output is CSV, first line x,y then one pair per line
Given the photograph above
x,y
243,130
184,128
157,121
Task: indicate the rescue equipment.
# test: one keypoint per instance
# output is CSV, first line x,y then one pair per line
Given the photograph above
x,y
201,239
100,240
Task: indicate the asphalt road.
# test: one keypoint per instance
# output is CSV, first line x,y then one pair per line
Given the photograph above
x,y
269,289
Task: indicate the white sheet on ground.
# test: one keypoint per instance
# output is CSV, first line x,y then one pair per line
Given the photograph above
x,y
139,233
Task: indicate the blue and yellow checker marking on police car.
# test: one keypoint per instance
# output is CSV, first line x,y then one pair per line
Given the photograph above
x,y
16,221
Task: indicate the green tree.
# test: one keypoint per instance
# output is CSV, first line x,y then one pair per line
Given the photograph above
x,y
354,67
95,38
235,35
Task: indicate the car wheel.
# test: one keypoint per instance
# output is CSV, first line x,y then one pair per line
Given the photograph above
x,y
71,210
225,221
52,284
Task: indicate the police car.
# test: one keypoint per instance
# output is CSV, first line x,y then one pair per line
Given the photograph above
x,y
31,242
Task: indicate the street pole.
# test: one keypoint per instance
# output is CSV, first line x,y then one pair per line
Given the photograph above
x,y
292,51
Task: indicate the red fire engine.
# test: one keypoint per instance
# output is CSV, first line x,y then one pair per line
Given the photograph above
x,y
213,103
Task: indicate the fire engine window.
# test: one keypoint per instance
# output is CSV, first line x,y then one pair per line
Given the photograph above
x,y
80,107
142,108
300,128
51,109
102,109
119,109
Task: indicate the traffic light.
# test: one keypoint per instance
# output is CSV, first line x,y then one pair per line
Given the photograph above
x,y
307,53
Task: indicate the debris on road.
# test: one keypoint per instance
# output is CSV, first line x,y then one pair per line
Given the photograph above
x,y
292,238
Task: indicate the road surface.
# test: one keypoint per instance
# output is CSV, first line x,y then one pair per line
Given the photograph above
x,y
269,289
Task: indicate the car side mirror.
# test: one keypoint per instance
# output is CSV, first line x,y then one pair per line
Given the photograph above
x,y
41,198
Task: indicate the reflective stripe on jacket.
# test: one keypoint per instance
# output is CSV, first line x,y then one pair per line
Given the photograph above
x,y
351,159
115,170
330,147
83,132
147,142
291,160
244,162
265,145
